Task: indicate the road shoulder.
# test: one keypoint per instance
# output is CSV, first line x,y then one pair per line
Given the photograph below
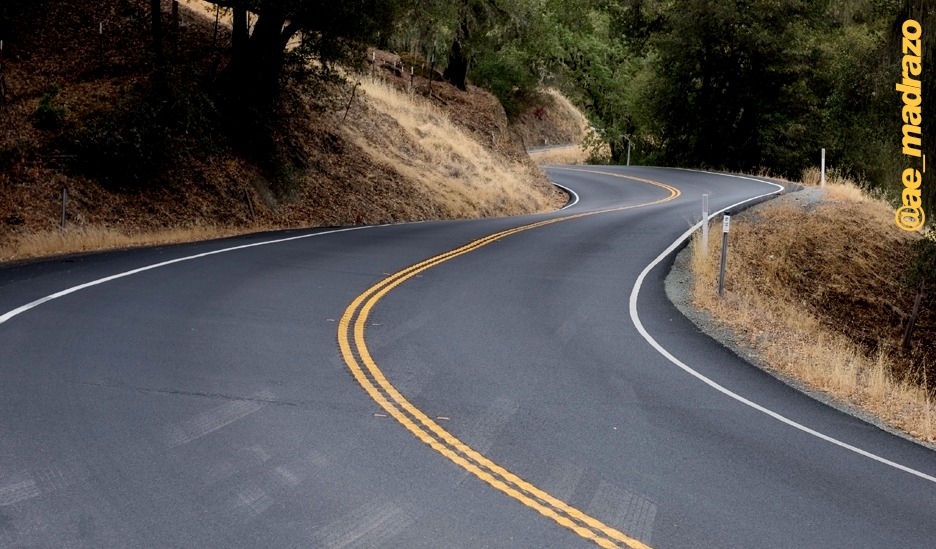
x,y
678,286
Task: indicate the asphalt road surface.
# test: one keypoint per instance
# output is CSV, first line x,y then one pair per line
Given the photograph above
x,y
425,385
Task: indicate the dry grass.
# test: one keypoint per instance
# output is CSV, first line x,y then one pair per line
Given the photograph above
x,y
567,119
92,238
404,170
550,119
841,188
572,154
421,143
811,288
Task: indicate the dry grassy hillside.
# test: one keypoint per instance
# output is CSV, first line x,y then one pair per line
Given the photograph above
x,y
551,119
814,287
396,154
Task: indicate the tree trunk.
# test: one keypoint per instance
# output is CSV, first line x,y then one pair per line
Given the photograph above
x,y
251,80
250,84
908,332
174,28
457,70
240,34
266,56
618,151
157,31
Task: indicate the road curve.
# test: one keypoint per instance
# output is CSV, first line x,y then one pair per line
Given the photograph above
x,y
521,391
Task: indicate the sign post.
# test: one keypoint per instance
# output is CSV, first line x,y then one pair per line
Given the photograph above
x,y
822,171
726,222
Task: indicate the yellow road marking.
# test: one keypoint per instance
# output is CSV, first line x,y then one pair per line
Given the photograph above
x,y
355,353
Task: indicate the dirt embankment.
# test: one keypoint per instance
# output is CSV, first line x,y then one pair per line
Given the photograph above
x,y
76,118
814,293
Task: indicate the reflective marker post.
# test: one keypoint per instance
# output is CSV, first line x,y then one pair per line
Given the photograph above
x,y
822,171
726,221
64,208
705,223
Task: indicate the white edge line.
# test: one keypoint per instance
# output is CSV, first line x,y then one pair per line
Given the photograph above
x,y
573,194
633,314
23,308
640,328
33,304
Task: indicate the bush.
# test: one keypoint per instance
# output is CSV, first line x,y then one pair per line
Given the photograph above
x,y
506,76
922,267
147,133
48,115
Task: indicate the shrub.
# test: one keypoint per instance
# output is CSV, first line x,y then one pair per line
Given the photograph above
x,y
135,142
48,115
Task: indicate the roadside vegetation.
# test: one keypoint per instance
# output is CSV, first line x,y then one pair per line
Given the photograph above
x,y
822,290
568,154
239,114
142,165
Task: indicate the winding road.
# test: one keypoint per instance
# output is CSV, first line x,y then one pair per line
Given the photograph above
x,y
512,382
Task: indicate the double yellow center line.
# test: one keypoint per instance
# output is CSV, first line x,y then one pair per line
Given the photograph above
x,y
371,378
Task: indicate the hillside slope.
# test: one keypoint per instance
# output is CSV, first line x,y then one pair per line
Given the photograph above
x,y
75,118
814,292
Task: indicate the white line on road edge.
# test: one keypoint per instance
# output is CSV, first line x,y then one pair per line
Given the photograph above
x,y
633,314
22,309
640,328
573,194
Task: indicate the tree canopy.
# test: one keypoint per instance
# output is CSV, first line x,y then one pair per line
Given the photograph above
x,y
724,84
327,32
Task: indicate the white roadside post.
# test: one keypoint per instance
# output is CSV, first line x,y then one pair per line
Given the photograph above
x,y
64,219
628,150
726,222
705,224
822,171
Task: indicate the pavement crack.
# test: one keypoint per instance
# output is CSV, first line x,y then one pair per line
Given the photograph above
x,y
180,392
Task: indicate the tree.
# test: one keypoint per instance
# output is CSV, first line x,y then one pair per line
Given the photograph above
x,y
732,84
522,48
327,31
921,275
427,28
474,21
456,71
157,33
506,45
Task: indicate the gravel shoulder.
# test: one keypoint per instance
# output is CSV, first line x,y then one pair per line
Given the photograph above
x,y
679,282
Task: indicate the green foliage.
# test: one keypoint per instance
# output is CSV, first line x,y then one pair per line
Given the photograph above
x,y
426,28
513,47
860,120
595,146
49,115
922,266
299,39
600,76
506,75
508,47
150,132
731,85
